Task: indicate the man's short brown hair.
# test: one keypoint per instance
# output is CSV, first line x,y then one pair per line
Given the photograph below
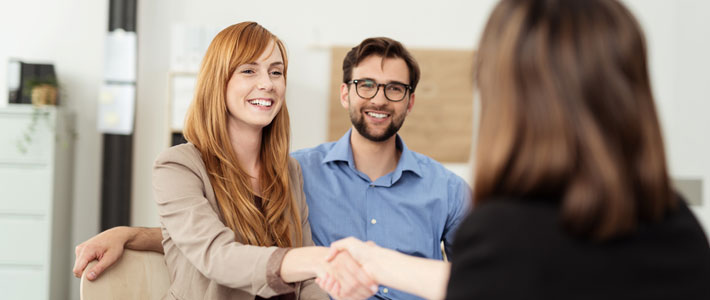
x,y
380,46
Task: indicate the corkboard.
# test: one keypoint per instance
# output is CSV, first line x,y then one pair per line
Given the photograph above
x,y
440,124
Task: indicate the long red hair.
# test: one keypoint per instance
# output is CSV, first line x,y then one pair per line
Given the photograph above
x,y
278,223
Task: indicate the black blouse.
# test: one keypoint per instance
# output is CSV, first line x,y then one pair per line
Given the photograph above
x,y
517,249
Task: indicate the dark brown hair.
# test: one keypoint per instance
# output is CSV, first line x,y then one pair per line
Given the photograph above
x,y
381,46
567,113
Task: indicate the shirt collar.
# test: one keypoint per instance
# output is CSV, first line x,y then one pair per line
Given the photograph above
x,y
343,151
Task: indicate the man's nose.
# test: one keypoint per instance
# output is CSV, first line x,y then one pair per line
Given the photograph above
x,y
379,98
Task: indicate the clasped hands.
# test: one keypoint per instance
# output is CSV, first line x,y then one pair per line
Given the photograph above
x,y
349,270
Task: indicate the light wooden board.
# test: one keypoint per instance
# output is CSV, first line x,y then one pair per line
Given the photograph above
x,y
441,122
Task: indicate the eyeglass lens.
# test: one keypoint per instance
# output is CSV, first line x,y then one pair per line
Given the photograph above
x,y
393,91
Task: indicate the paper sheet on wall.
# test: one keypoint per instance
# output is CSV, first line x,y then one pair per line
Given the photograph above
x,y
120,56
188,44
182,89
116,108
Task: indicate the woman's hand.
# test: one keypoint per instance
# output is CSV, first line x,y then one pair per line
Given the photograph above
x,y
343,275
423,277
346,279
349,285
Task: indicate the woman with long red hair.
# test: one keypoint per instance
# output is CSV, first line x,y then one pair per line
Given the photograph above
x,y
232,209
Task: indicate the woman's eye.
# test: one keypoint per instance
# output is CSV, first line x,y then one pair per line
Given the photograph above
x,y
276,73
248,71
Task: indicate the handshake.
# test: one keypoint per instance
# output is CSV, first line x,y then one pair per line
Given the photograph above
x,y
350,269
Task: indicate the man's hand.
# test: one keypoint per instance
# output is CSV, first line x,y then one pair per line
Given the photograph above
x,y
362,252
345,279
106,247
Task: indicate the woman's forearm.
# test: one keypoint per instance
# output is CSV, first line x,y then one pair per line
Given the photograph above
x,y
423,277
303,263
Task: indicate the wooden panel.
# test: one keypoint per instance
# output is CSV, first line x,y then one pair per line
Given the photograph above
x,y
441,122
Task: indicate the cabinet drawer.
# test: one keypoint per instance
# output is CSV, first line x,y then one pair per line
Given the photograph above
x,y
13,127
24,240
25,189
18,283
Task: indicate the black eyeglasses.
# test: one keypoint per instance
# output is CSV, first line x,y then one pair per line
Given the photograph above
x,y
367,89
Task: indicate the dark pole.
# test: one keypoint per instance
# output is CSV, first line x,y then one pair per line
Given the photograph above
x,y
118,148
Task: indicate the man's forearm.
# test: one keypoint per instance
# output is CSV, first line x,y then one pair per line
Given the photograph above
x,y
142,238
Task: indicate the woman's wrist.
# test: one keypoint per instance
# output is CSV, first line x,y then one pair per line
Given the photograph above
x,y
373,258
317,264
303,263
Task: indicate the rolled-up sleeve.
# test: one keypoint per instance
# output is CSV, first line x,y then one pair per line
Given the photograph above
x,y
200,235
459,205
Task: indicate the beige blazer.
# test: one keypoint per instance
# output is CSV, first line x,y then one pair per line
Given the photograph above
x,y
203,258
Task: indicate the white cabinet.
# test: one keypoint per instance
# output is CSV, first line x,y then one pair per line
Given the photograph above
x,y
35,206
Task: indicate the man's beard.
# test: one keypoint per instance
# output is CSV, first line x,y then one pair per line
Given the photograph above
x,y
358,121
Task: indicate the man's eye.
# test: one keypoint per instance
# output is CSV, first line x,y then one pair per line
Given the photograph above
x,y
395,88
369,85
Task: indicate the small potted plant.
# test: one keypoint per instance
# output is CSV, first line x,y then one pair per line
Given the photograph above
x,y
43,92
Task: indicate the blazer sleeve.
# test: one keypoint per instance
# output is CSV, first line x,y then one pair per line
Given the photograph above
x,y
309,289
200,235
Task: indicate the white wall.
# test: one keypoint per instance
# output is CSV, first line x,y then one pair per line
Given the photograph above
x,y
307,28
676,32
71,34
678,39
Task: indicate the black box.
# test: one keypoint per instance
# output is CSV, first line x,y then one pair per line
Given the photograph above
x,y
23,76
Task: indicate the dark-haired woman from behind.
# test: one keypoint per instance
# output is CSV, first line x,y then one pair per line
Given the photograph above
x,y
572,193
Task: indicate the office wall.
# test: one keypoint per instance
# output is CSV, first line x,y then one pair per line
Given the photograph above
x,y
675,31
308,28
677,36
71,34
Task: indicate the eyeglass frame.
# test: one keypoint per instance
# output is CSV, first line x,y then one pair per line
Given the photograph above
x,y
384,90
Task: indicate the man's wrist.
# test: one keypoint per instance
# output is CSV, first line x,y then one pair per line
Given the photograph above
x,y
127,235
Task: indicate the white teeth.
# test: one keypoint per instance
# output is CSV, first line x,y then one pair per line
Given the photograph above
x,y
260,102
376,115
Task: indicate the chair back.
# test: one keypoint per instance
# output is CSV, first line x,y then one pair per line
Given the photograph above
x,y
136,275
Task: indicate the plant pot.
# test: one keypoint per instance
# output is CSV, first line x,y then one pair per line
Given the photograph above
x,y
44,94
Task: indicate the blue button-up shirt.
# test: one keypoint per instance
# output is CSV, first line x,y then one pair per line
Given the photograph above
x,y
411,210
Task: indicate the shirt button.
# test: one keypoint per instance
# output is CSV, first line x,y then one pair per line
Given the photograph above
x,y
373,221
385,290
